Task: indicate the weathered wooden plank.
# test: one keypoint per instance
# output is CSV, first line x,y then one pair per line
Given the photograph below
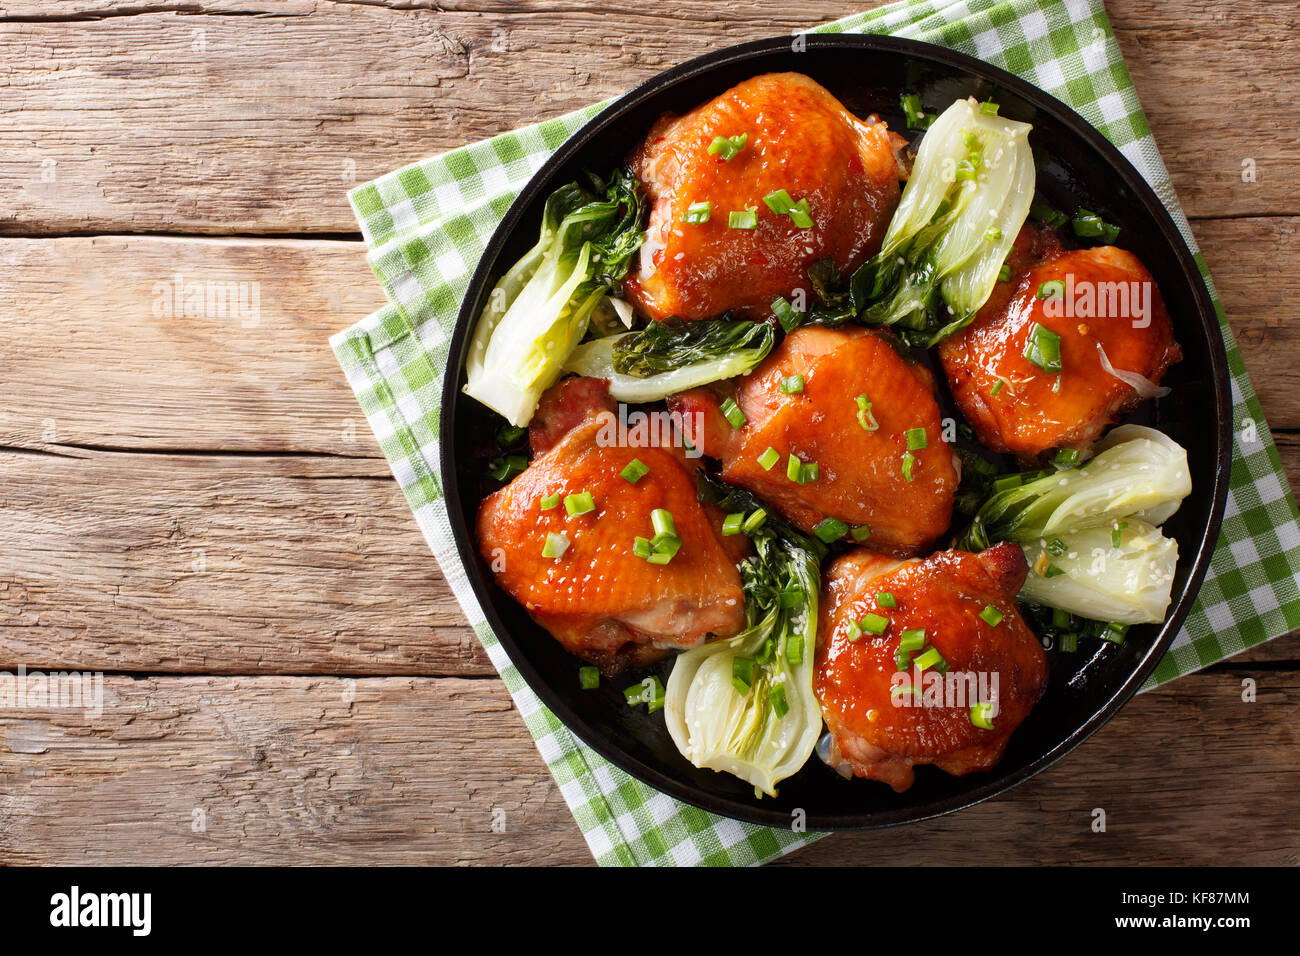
x,y
229,565
220,564
170,121
99,361
102,351
321,770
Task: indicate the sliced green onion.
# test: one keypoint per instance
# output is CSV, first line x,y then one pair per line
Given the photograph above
x,y
991,615
1053,571
743,218
769,458
728,146
555,546
811,471
886,599
1004,274
698,213
503,469
1050,289
1089,225
916,117
855,631
754,521
1043,348
929,658
794,649
668,544
1060,618
792,384
865,418
662,520
642,547
989,108
831,529
902,660
779,704
733,523
997,386
875,624
912,640
908,459
510,435
794,469
1069,642
779,202
635,470
801,214
1048,214
550,501
916,439
1067,458
981,715
786,314
660,557
579,503
1115,632
742,674
732,413
860,532
588,678
1006,481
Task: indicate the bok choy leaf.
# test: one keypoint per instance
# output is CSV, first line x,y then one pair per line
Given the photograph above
x,y
965,201
539,310
670,357
746,706
1090,534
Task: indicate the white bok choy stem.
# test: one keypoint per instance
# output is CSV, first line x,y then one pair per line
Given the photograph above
x,y
746,706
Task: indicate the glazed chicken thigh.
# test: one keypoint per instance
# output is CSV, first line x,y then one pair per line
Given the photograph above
x,y
599,599
962,606
798,138
1103,306
844,402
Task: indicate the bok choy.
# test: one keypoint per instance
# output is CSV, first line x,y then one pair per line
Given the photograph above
x,y
670,357
965,201
746,706
539,310
1091,533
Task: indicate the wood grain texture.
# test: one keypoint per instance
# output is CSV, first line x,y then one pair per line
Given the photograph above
x,y
202,118
101,355
114,368
220,564
200,496
406,771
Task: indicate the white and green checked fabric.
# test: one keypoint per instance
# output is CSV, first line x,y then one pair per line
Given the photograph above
x,y
426,226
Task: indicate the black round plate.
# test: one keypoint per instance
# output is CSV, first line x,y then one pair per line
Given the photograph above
x,y
1076,166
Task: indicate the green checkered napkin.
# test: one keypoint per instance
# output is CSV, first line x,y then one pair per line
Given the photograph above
x,y
427,224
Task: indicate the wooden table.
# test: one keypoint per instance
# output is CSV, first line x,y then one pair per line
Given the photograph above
x,y
195,506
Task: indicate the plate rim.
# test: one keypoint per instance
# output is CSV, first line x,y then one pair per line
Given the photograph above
x,y
1206,314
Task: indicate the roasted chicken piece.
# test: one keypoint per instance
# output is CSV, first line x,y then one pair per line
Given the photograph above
x,y
798,138
885,720
601,601
846,401
1105,308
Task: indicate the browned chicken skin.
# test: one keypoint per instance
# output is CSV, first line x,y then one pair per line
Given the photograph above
x,y
1034,411
862,477
882,733
601,601
800,139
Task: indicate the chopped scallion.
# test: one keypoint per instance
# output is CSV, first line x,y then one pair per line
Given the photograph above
x,y
579,503
831,529
743,218
635,470
769,458
698,213
555,546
